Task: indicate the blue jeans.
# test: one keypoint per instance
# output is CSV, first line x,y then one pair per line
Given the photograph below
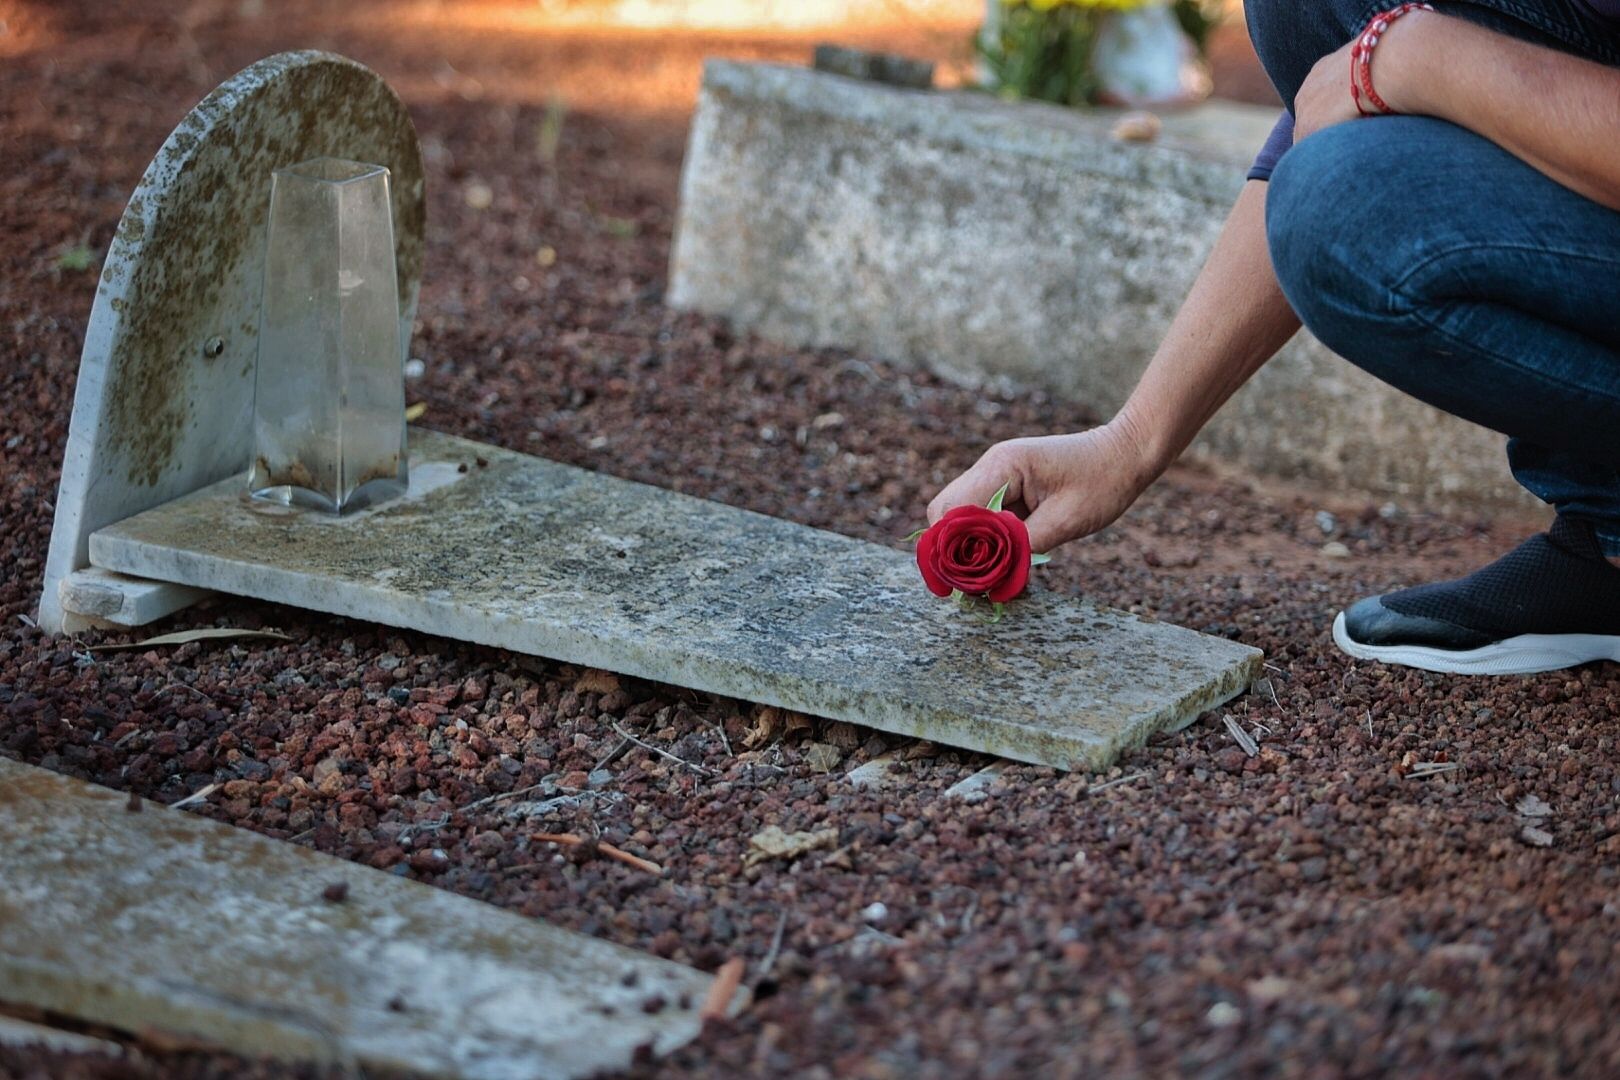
x,y
1440,263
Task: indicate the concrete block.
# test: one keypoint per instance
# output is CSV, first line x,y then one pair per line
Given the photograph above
x,y
985,239
551,560
118,600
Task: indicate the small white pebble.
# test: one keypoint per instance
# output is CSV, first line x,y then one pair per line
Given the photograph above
x,y
875,913
1223,1014
414,368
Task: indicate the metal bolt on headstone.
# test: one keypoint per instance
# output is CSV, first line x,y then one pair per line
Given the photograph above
x,y
329,394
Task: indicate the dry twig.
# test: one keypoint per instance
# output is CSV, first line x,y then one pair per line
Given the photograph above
x,y
1117,781
699,769
613,755
486,800
617,854
771,954
723,989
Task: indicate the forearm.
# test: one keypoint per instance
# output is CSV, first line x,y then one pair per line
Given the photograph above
x,y
1559,113
1233,320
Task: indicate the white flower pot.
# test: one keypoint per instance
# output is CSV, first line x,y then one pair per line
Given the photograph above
x,y
1143,58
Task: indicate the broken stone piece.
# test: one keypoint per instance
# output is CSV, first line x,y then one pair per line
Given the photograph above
x,y
876,67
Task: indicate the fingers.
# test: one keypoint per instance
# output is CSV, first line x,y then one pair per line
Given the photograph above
x,y
1048,527
976,486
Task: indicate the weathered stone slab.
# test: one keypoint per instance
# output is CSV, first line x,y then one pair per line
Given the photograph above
x,y
164,399
159,919
94,594
14,1032
984,238
555,561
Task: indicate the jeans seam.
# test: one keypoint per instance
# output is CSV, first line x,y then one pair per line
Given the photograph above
x,y
1399,285
1399,298
1415,313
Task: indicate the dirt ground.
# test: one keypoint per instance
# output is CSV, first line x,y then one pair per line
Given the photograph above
x,y
1317,911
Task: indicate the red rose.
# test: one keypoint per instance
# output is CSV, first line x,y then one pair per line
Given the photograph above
x,y
979,551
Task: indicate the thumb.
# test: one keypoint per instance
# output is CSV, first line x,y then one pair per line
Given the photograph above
x,y
973,488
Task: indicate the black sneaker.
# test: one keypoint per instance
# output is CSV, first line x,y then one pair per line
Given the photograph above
x,y
1552,602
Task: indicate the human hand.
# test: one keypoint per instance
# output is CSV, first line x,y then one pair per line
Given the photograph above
x,y
1324,97
1064,486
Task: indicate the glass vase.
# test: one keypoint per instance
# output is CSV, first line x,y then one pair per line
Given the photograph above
x,y
329,390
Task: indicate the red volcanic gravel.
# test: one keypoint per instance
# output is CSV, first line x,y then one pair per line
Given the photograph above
x,y
1318,910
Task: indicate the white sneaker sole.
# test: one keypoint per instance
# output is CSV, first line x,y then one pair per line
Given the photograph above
x,y
1522,655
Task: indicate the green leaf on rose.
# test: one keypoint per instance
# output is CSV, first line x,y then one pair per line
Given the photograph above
x,y
913,536
1000,608
996,499
1039,560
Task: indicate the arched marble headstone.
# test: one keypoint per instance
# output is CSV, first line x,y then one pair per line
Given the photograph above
x,y
165,390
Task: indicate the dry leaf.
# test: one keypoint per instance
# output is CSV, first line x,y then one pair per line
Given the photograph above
x,y
1536,837
195,798
822,757
772,843
1532,807
768,723
183,637
1241,737
597,681
413,413
844,736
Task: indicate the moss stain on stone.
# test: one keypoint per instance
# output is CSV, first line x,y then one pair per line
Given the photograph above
x,y
704,595
209,196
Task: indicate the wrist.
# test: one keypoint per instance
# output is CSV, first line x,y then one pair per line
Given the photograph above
x,y
1398,64
1140,453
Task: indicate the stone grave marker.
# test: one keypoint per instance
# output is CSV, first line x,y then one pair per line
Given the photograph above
x,y
165,392
508,550
551,560
157,919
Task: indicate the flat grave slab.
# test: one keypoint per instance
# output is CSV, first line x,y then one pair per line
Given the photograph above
x,y
161,920
555,561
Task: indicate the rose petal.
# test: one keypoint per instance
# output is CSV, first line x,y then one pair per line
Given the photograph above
x,y
1018,569
980,551
927,545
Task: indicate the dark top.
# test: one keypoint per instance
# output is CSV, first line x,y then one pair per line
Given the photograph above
x,y
1282,136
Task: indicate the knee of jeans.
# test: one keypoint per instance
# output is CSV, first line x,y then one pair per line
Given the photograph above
x,y
1325,209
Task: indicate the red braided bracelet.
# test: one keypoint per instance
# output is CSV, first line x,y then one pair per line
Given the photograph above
x,y
1361,84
